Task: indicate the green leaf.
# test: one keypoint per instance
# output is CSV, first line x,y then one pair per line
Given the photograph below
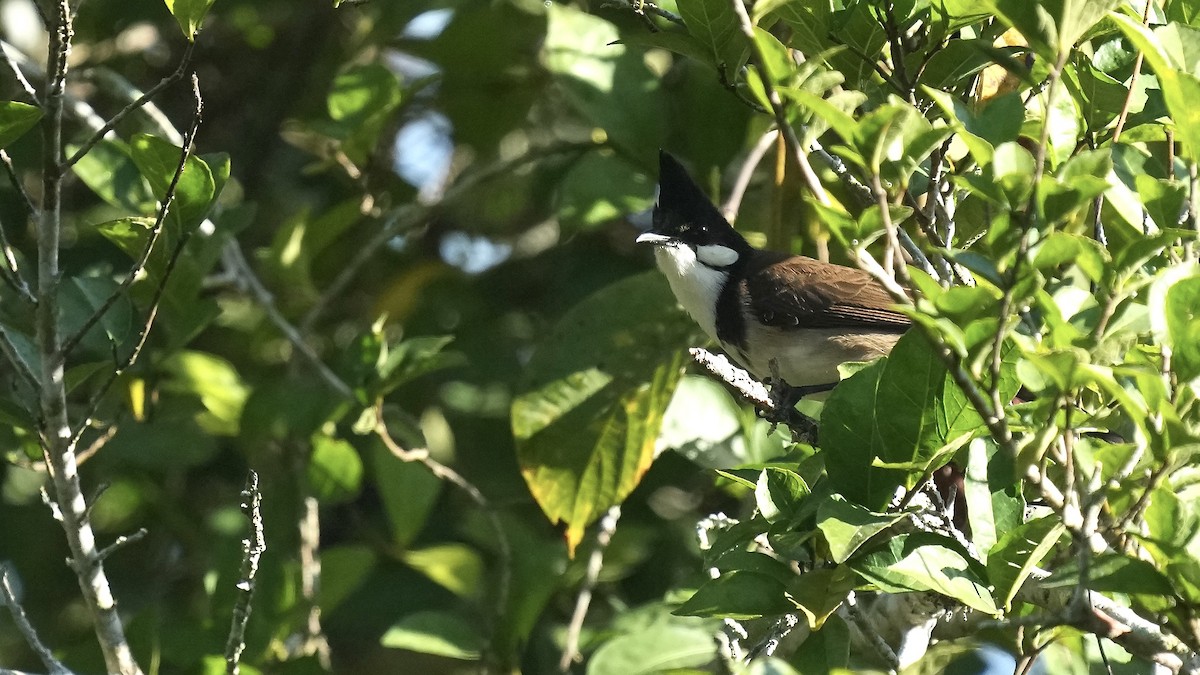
x,y
927,562
362,93
215,382
81,297
415,357
456,567
110,172
818,593
408,492
334,470
715,25
15,119
739,595
343,570
994,503
848,526
196,189
593,399
1111,573
189,14
1051,27
885,425
1018,553
1174,304
655,649
438,633
1163,48
778,493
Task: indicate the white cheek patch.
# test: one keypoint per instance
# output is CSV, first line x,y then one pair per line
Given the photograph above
x,y
716,255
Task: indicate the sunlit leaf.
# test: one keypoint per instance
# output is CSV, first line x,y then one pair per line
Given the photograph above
x,y
190,14
594,396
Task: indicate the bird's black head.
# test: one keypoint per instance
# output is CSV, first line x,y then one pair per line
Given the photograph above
x,y
684,216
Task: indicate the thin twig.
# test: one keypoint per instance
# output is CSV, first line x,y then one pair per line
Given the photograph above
x,y
121,542
311,640
734,203
781,120
24,369
643,7
16,181
155,231
872,636
408,216
253,547
237,260
53,665
20,77
608,525
12,272
138,103
421,455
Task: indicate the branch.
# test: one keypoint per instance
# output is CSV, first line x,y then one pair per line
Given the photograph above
x,y
642,7
137,103
16,71
408,216
55,426
608,525
734,202
155,231
444,472
12,272
781,121
253,547
803,427
31,637
237,261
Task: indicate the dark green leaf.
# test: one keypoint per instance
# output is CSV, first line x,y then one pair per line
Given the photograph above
x,y
818,593
196,189
778,493
739,595
15,119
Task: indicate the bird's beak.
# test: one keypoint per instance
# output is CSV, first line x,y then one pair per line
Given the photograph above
x,y
652,238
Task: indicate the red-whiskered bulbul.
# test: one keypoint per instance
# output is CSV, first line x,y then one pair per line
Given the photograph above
x,y
806,315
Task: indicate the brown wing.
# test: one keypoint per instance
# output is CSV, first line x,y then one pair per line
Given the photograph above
x,y
795,291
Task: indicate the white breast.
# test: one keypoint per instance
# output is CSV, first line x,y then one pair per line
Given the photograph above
x,y
695,285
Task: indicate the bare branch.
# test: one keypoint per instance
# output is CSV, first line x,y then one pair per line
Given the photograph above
x,y
241,268
155,231
55,426
781,121
604,535
31,637
120,543
803,428
136,104
16,181
444,472
253,547
734,202
7,51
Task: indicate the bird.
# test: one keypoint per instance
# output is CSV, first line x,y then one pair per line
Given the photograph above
x,y
779,316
